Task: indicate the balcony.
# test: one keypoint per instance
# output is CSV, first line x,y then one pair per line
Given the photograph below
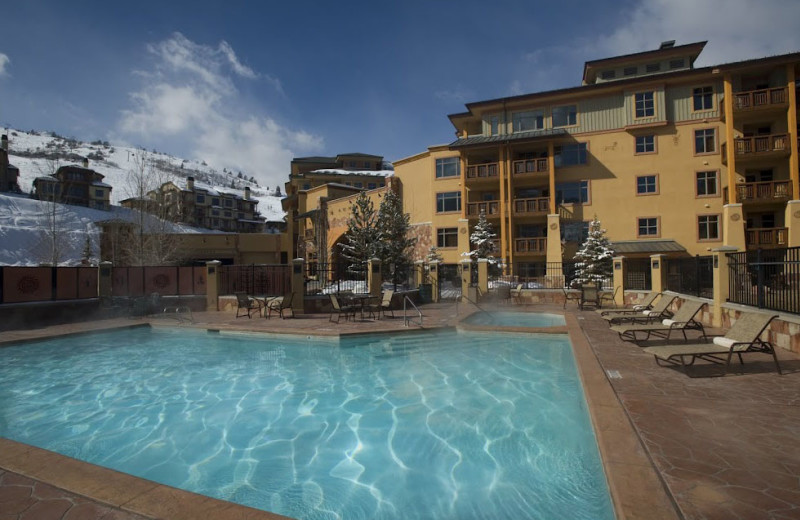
x,y
766,238
528,166
491,208
308,234
531,246
760,99
751,192
758,147
482,171
531,207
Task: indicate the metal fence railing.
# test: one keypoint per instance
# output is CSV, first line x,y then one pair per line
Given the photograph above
x,y
693,276
335,277
541,275
638,275
766,278
449,279
255,279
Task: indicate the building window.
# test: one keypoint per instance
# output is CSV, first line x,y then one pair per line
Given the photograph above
x,y
676,64
648,227
645,104
228,203
367,164
358,184
447,237
98,194
531,120
575,231
448,167
705,141
653,67
565,116
201,199
572,192
707,184
608,74
645,144
448,201
570,154
352,164
703,98
647,185
371,185
629,71
215,201
708,227
494,123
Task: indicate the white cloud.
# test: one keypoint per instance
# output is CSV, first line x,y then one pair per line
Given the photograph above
x,y
190,96
459,94
4,61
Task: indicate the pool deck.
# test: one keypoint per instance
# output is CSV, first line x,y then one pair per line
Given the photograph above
x,y
673,445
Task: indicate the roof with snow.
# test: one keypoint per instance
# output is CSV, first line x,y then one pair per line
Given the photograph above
x,y
338,171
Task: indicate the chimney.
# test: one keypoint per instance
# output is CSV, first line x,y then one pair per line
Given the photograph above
x,y
247,193
190,183
4,142
667,44
85,162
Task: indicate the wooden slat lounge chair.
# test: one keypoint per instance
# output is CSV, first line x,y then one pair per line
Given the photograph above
x,y
646,304
683,320
338,310
247,304
744,337
658,312
279,305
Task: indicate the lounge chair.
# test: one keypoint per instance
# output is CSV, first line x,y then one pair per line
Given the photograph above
x,y
647,302
516,294
247,304
338,310
279,305
659,311
743,337
682,321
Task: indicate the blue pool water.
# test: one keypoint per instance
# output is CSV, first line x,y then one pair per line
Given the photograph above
x,y
441,425
516,319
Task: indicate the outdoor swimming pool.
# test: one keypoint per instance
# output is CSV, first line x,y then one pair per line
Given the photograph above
x,y
442,425
516,319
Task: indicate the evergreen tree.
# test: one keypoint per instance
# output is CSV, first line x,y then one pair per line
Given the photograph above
x,y
434,255
482,239
86,257
395,243
361,240
594,258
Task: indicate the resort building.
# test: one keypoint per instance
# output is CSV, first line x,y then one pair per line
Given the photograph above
x,y
76,185
9,174
202,206
314,182
672,159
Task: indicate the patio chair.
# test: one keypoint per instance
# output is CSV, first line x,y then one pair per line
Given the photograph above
x,y
744,337
659,311
384,305
338,310
590,295
279,305
683,320
608,296
503,293
247,304
570,296
516,294
647,302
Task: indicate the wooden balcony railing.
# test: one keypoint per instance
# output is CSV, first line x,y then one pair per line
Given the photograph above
x,y
755,99
765,237
772,191
745,147
530,166
531,245
537,206
491,208
482,171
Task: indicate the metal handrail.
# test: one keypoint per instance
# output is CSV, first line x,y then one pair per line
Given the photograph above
x,y
406,319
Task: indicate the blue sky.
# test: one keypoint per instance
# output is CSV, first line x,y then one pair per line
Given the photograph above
x,y
249,85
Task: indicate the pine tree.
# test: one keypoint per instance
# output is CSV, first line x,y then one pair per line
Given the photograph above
x,y
86,257
482,239
361,240
594,258
395,243
434,255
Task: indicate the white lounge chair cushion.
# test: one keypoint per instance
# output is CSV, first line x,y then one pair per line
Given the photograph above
x,y
724,342
668,323
639,307
651,313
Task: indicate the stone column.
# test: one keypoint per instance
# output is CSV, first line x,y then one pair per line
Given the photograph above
x,y
619,279
419,273
721,281
483,276
733,224
793,223
374,277
212,285
298,286
104,280
434,279
658,274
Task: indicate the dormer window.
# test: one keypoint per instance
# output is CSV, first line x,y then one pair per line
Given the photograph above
x,y
608,74
629,71
530,120
653,67
676,64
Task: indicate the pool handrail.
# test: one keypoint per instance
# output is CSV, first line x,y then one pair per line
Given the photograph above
x,y
406,318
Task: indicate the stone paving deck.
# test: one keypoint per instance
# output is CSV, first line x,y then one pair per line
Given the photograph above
x,y
674,445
